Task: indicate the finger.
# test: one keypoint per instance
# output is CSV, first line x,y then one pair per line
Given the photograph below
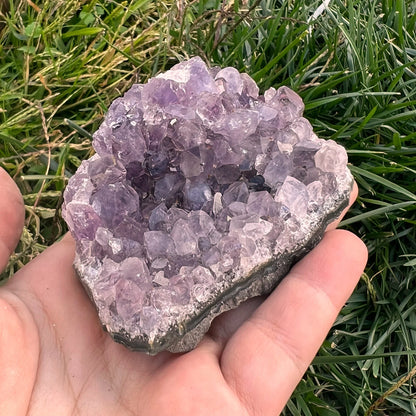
x,y
267,356
12,216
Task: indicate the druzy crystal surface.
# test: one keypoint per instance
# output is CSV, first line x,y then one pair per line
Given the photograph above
x,y
201,194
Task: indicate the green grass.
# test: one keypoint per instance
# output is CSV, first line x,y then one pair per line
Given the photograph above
x,y
63,62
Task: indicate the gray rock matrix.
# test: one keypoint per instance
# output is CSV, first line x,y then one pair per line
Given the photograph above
x,y
202,193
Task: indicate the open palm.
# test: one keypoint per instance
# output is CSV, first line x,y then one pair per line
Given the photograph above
x,y
56,359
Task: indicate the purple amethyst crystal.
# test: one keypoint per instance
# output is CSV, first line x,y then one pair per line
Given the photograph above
x,y
202,193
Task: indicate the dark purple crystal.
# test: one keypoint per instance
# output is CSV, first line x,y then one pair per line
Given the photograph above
x,y
202,194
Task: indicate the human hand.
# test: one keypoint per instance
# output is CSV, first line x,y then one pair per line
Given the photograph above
x,y
56,359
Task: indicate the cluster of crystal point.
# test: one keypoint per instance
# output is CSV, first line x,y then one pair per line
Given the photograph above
x,y
201,193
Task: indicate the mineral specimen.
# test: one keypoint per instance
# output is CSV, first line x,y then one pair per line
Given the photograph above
x,y
201,194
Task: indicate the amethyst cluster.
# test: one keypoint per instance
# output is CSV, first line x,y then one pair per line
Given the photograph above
x,y
201,194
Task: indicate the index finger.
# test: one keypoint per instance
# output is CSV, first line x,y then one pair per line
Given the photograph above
x,y
269,353
12,216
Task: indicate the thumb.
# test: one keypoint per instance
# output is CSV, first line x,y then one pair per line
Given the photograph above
x,y
12,216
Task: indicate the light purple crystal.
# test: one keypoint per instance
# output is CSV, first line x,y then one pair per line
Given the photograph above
x,y
202,193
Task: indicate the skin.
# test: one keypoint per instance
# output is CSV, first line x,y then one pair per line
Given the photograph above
x,y
56,360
